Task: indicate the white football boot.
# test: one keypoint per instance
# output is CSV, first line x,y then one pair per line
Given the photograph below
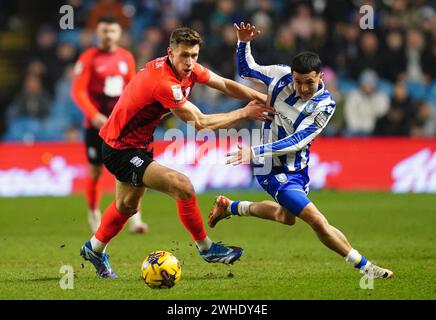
x,y
373,271
136,225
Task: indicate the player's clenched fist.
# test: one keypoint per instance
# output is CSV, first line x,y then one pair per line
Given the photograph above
x,y
258,111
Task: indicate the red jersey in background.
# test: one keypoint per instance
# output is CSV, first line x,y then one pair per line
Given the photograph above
x,y
99,79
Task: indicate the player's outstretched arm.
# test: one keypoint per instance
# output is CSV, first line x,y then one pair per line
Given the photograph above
x,y
246,65
308,130
233,89
192,115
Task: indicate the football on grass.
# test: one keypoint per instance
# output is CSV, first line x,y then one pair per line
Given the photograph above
x,y
161,270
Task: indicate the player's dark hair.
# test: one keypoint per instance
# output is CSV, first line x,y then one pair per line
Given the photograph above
x,y
306,62
108,19
185,35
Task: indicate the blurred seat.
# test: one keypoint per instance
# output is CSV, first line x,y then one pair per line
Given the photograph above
x,y
417,90
23,129
386,86
346,85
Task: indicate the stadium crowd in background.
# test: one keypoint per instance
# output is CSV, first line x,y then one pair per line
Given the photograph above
x,y
383,79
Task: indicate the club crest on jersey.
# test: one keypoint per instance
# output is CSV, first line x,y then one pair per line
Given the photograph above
x,y
177,92
122,66
310,107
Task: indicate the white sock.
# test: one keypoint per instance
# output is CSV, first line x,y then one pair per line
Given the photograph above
x,y
355,258
204,244
97,245
243,208
135,220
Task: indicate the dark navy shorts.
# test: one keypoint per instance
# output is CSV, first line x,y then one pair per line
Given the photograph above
x,y
127,165
93,144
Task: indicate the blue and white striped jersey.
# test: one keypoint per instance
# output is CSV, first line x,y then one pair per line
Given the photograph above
x,y
297,122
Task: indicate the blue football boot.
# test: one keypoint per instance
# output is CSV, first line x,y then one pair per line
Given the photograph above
x,y
221,253
99,260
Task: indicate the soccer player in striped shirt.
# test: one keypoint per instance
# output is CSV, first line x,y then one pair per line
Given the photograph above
x,y
303,106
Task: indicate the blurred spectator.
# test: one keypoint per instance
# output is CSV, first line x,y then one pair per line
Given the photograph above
x,y
66,54
430,125
6,7
368,56
400,9
262,8
402,99
401,49
338,10
167,25
285,45
32,101
423,124
263,44
415,44
348,48
65,111
429,59
394,58
336,125
87,39
365,105
301,23
44,53
36,68
153,35
321,42
105,8
144,53
224,63
394,123
72,134
79,13
181,8
225,13
418,57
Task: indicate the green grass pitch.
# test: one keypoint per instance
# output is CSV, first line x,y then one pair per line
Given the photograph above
x,y
39,235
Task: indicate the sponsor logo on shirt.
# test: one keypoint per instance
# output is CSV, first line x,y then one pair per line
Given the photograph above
x,y
187,91
321,119
285,118
123,67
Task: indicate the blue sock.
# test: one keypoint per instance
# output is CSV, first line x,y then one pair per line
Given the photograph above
x,y
362,263
234,207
